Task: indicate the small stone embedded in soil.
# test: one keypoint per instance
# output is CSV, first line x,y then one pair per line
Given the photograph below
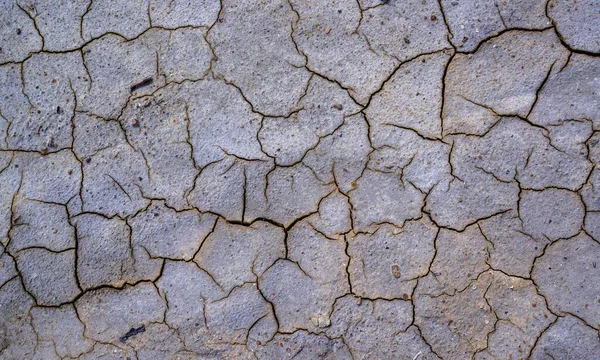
x,y
396,271
320,320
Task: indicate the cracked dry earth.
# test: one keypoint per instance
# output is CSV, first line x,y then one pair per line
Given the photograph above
x,y
358,179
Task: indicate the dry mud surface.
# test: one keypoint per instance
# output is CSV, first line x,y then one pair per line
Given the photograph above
x,y
357,179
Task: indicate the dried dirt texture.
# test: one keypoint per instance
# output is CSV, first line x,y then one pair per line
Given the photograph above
x,y
308,179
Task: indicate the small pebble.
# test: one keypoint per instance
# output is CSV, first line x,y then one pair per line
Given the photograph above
x,y
320,320
396,271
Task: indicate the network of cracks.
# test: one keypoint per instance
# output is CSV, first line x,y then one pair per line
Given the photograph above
x,y
357,179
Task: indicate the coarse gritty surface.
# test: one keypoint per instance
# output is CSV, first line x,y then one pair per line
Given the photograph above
x,y
309,179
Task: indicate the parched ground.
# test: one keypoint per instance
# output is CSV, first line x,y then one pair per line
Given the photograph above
x,y
357,179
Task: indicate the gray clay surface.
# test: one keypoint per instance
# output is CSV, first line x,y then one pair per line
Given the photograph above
x,y
308,179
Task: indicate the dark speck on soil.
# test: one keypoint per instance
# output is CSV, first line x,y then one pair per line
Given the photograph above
x,y
132,332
